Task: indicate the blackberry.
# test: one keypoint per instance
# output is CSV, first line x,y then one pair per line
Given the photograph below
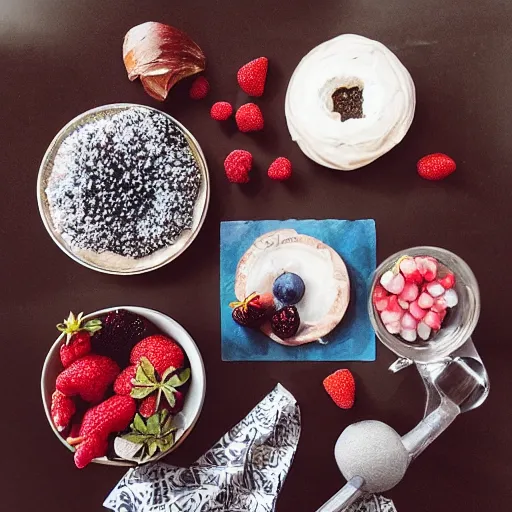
x,y
285,322
121,331
249,316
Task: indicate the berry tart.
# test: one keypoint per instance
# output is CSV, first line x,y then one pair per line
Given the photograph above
x,y
123,189
122,386
349,101
293,287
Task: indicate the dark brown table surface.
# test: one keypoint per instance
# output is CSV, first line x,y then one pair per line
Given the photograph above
x,y
60,58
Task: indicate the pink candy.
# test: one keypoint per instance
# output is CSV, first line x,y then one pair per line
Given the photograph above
x,y
412,299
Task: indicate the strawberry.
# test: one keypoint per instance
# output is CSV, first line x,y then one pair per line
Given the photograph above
x,y
123,384
252,76
199,88
112,415
89,377
147,406
90,448
436,166
280,169
78,337
162,353
253,310
79,346
341,387
221,111
249,118
62,410
237,166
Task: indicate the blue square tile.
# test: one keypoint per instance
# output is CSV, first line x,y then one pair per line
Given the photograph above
x,y
352,340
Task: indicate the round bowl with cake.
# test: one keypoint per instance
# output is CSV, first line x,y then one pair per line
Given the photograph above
x,y
122,386
123,189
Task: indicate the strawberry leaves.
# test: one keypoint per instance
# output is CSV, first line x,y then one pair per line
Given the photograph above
x,y
156,434
72,325
146,382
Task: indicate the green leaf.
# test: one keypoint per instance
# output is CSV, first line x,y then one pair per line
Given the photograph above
x,y
153,424
164,443
135,438
142,392
169,394
93,325
152,448
178,380
168,372
167,425
139,425
145,372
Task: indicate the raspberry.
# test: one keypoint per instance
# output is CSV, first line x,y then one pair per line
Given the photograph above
x,y
221,111
237,166
199,88
280,169
249,118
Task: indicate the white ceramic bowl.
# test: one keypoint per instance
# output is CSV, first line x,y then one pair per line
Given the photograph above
x,y
193,400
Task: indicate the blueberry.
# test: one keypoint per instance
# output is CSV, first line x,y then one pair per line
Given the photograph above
x,y
288,288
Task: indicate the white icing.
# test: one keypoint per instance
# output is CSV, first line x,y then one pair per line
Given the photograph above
x,y
313,265
389,101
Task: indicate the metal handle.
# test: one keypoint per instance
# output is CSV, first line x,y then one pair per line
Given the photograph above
x,y
346,496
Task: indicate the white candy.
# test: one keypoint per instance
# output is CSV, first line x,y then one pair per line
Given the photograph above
x,y
424,331
393,327
409,322
388,317
392,283
451,298
403,304
435,289
425,301
408,334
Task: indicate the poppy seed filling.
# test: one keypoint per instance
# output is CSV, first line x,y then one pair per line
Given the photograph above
x,y
126,183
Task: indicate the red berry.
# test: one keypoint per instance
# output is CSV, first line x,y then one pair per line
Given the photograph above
x,y
62,410
285,322
161,351
436,166
221,111
89,377
79,345
252,76
123,384
112,415
341,387
249,118
90,448
280,169
237,166
199,88
147,406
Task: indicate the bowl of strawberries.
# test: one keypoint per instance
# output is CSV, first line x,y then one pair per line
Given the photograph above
x,y
122,386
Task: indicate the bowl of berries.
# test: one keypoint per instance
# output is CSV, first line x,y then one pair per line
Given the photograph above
x,y
122,386
424,303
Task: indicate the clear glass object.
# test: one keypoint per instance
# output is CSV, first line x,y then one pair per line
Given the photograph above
x,y
458,325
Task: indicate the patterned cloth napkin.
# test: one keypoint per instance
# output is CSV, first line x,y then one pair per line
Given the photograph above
x,y
244,471
373,503
352,340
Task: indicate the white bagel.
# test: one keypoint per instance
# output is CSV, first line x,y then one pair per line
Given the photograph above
x,y
389,101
